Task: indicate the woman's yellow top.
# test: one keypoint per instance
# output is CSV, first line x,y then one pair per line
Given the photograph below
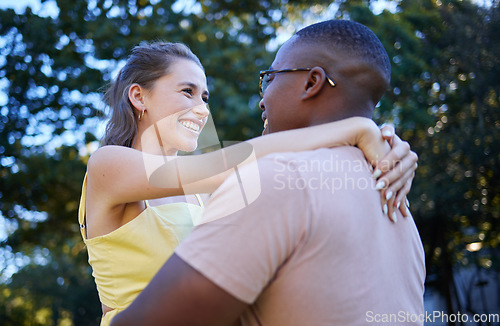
x,y
125,260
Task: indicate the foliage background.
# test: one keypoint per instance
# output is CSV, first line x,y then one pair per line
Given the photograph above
x,y
53,64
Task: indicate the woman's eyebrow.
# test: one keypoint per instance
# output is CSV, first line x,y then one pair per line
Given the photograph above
x,y
192,85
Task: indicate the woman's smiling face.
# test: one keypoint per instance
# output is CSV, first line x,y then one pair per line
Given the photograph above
x,y
176,108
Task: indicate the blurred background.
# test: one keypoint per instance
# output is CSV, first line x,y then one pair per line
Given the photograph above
x,y
56,56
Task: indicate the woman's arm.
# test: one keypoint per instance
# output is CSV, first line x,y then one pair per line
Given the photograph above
x,y
127,175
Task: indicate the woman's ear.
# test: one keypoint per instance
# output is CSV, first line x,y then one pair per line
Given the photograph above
x,y
136,96
316,79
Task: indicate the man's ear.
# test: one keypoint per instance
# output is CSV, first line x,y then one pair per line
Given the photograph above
x,y
136,96
316,79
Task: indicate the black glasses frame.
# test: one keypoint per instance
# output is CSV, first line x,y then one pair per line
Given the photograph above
x,y
263,73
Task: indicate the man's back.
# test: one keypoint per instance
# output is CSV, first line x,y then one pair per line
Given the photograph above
x,y
314,248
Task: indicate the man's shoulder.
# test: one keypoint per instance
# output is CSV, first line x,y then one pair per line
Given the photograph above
x,y
285,175
320,159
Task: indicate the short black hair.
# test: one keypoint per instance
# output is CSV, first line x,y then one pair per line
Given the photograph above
x,y
351,38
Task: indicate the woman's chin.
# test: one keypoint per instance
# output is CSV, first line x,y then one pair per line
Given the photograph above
x,y
188,147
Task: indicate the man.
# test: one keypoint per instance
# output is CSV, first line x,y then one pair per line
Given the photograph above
x,y
314,248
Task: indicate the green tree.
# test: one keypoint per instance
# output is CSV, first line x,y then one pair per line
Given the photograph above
x,y
52,70
444,100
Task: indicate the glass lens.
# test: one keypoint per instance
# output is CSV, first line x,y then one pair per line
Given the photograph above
x,y
265,83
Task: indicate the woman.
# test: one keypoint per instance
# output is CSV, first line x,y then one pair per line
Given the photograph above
x,y
131,223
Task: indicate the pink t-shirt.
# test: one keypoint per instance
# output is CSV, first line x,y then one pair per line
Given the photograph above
x,y
314,248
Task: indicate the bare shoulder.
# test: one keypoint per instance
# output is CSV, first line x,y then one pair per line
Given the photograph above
x,y
106,170
107,155
109,163
108,202
121,175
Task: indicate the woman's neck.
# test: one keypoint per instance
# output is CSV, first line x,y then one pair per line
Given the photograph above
x,y
152,147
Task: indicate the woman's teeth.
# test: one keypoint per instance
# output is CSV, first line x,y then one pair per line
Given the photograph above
x,y
265,124
190,125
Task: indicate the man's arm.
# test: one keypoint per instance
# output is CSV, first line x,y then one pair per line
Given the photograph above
x,y
180,295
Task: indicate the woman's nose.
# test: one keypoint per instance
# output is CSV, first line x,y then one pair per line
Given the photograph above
x,y
201,110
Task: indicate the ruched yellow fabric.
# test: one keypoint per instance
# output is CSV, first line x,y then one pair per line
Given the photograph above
x,y
125,260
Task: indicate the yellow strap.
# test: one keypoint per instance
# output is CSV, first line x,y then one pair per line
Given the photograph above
x,y
81,209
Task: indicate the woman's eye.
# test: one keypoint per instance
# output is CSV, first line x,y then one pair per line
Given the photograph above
x,y
188,90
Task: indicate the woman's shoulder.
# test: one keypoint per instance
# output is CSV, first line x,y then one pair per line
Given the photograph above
x,y
107,150
108,162
109,189
108,156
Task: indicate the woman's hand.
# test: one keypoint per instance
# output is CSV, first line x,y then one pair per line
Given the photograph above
x,y
394,166
395,173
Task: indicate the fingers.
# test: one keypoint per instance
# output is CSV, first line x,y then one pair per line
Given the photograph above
x,y
401,195
404,207
391,211
400,149
391,206
395,203
397,177
396,192
393,197
385,207
388,132
394,174
388,202
393,215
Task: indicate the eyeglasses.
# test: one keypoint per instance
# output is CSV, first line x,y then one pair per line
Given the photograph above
x,y
264,82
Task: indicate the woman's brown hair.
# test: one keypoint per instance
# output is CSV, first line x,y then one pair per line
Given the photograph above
x,y
146,64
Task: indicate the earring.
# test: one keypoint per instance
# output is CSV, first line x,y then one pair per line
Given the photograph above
x,y
141,115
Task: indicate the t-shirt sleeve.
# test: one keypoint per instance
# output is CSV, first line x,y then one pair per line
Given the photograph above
x,y
248,238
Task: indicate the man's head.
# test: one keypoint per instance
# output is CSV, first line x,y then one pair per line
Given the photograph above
x,y
348,70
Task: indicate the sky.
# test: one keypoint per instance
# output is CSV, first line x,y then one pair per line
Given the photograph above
x,y
48,8
16,4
